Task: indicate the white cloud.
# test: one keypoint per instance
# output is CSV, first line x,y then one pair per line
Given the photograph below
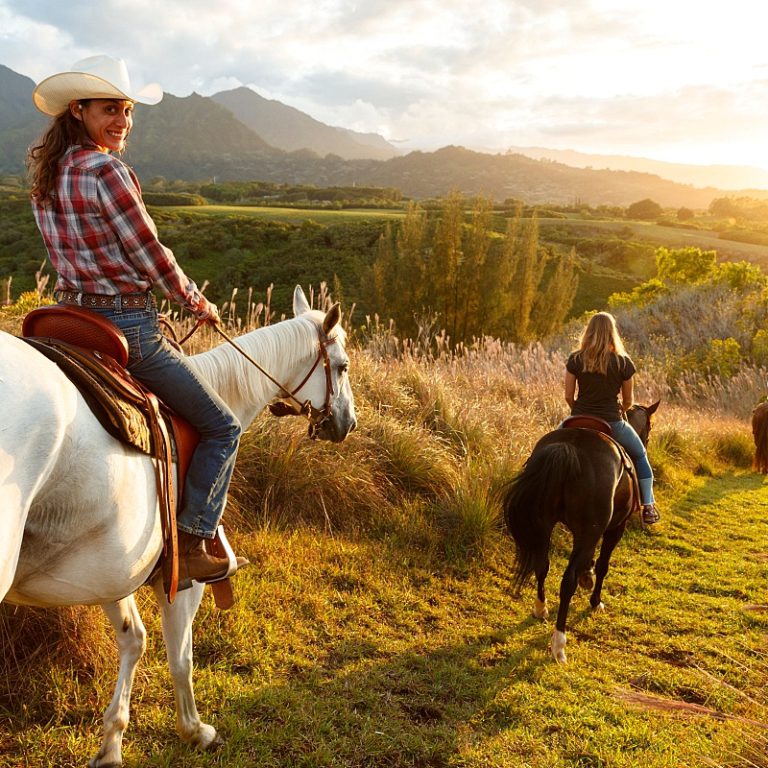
x,y
593,74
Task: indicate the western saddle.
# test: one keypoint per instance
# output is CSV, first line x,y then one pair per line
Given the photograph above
x,y
93,353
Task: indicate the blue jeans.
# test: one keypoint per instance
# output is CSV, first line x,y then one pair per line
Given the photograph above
x,y
626,436
167,373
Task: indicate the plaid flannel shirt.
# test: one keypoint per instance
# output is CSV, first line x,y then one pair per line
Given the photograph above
x,y
99,236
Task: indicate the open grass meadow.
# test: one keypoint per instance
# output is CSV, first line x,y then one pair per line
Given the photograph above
x,y
291,215
376,625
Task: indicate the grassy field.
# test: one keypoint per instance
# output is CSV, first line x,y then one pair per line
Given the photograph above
x,y
671,237
356,653
376,626
643,231
291,215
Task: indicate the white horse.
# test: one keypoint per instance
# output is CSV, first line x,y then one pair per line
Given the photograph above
x,y
78,509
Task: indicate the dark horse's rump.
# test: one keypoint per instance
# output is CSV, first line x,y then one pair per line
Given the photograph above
x,y
575,477
579,478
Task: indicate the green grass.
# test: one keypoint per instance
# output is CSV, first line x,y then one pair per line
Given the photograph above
x,y
358,652
289,215
646,231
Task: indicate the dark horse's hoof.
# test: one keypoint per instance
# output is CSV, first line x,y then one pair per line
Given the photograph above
x,y
587,579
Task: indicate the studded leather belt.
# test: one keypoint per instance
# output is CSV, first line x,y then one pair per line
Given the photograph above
x,y
108,301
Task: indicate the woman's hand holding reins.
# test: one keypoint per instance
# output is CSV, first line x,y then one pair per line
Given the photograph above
x,y
207,312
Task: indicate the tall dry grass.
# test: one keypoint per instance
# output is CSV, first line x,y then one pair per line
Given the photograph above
x,y
439,433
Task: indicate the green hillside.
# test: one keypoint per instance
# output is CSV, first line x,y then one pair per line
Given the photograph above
x,y
250,247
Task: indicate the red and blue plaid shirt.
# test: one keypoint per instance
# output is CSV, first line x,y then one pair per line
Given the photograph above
x,y
99,236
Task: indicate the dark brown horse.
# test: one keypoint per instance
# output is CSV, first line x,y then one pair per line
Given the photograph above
x,y
760,433
580,479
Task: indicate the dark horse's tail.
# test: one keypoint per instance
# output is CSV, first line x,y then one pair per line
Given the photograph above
x,y
532,500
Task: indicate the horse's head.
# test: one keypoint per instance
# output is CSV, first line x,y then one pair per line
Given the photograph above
x,y
324,395
640,417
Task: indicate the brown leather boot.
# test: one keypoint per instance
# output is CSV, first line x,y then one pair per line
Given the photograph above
x,y
195,562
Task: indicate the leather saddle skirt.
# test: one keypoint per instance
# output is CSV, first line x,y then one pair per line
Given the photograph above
x,y
588,422
603,428
93,353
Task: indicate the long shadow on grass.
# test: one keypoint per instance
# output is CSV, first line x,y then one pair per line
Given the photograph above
x,y
716,489
416,708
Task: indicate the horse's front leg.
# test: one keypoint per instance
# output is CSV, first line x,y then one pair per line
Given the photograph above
x,y
610,539
177,632
131,642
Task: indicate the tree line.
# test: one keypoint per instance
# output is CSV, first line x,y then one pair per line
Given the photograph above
x,y
453,270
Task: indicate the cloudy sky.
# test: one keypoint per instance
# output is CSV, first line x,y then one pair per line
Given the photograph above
x,y
676,80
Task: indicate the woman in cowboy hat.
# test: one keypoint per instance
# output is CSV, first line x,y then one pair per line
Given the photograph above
x,y
104,247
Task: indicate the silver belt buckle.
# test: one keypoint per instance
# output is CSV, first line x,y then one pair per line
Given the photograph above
x,y
79,298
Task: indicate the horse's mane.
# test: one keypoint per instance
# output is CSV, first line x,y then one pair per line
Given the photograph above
x,y
277,348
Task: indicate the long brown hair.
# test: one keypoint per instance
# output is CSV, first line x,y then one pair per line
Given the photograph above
x,y
43,158
599,342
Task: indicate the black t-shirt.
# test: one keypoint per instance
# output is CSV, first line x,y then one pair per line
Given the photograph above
x,y
597,393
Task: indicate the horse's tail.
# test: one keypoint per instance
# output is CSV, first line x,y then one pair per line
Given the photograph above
x,y
760,433
531,501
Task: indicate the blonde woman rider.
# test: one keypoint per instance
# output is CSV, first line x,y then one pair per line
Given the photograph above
x,y
595,374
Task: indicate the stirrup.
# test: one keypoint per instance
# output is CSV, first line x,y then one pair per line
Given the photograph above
x,y
224,549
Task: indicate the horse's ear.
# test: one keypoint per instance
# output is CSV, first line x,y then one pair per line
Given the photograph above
x,y
332,317
300,303
651,409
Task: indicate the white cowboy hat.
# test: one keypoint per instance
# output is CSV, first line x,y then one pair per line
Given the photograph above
x,y
97,77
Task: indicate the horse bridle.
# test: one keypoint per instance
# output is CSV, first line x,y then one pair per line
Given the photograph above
x,y
316,416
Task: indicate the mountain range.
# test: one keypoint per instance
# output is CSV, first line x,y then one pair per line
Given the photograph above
x,y
239,135
722,176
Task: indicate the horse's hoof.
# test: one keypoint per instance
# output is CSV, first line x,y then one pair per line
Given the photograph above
x,y
599,608
217,743
558,647
540,610
587,579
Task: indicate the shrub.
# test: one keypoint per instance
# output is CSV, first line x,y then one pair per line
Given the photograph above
x,y
173,198
735,449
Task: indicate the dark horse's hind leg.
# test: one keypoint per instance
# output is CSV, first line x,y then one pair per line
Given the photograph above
x,y
610,539
540,610
580,561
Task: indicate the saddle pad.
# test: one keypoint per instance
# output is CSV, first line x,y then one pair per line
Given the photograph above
x,y
114,400
629,467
